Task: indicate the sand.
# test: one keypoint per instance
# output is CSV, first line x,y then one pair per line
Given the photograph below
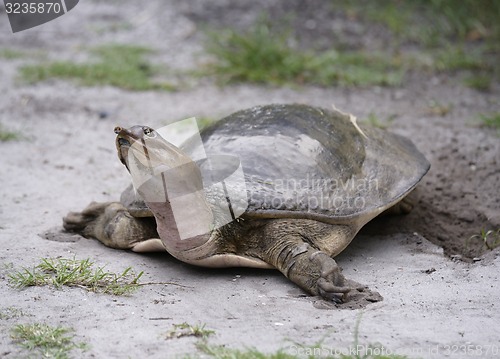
x,y
440,294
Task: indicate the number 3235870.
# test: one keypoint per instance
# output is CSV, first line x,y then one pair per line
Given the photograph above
x,y
32,8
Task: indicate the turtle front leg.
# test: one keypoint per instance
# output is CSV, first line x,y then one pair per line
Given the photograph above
x,y
310,268
115,227
313,271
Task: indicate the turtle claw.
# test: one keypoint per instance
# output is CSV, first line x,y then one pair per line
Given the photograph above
x,y
73,222
332,292
332,284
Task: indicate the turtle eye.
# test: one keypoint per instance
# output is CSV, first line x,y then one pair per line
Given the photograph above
x,y
149,132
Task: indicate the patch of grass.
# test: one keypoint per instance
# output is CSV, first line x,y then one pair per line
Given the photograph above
x,y
434,21
479,63
188,330
76,273
479,82
122,66
6,135
46,341
454,58
264,55
455,35
492,120
10,54
222,352
490,239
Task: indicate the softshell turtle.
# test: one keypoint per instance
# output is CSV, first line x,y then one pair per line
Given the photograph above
x,y
311,179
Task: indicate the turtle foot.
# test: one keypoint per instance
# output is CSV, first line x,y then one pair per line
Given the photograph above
x,y
83,222
332,284
97,220
358,298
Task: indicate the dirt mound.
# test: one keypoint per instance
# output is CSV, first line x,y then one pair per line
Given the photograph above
x,y
457,199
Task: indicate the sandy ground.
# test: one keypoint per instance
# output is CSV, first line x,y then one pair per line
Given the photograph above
x,y
434,304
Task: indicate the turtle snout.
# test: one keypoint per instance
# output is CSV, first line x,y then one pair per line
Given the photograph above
x,y
123,142
123,137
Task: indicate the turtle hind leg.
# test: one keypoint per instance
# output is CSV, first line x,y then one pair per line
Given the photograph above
x,y
404,206
115,227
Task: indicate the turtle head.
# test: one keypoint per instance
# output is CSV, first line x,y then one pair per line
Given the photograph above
x,y
169,182
155,164
144,148
125,138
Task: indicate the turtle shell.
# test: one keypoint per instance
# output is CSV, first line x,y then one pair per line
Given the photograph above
x,y
304,162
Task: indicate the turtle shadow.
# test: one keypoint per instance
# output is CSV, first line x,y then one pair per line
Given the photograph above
x,y
164,262
58,234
